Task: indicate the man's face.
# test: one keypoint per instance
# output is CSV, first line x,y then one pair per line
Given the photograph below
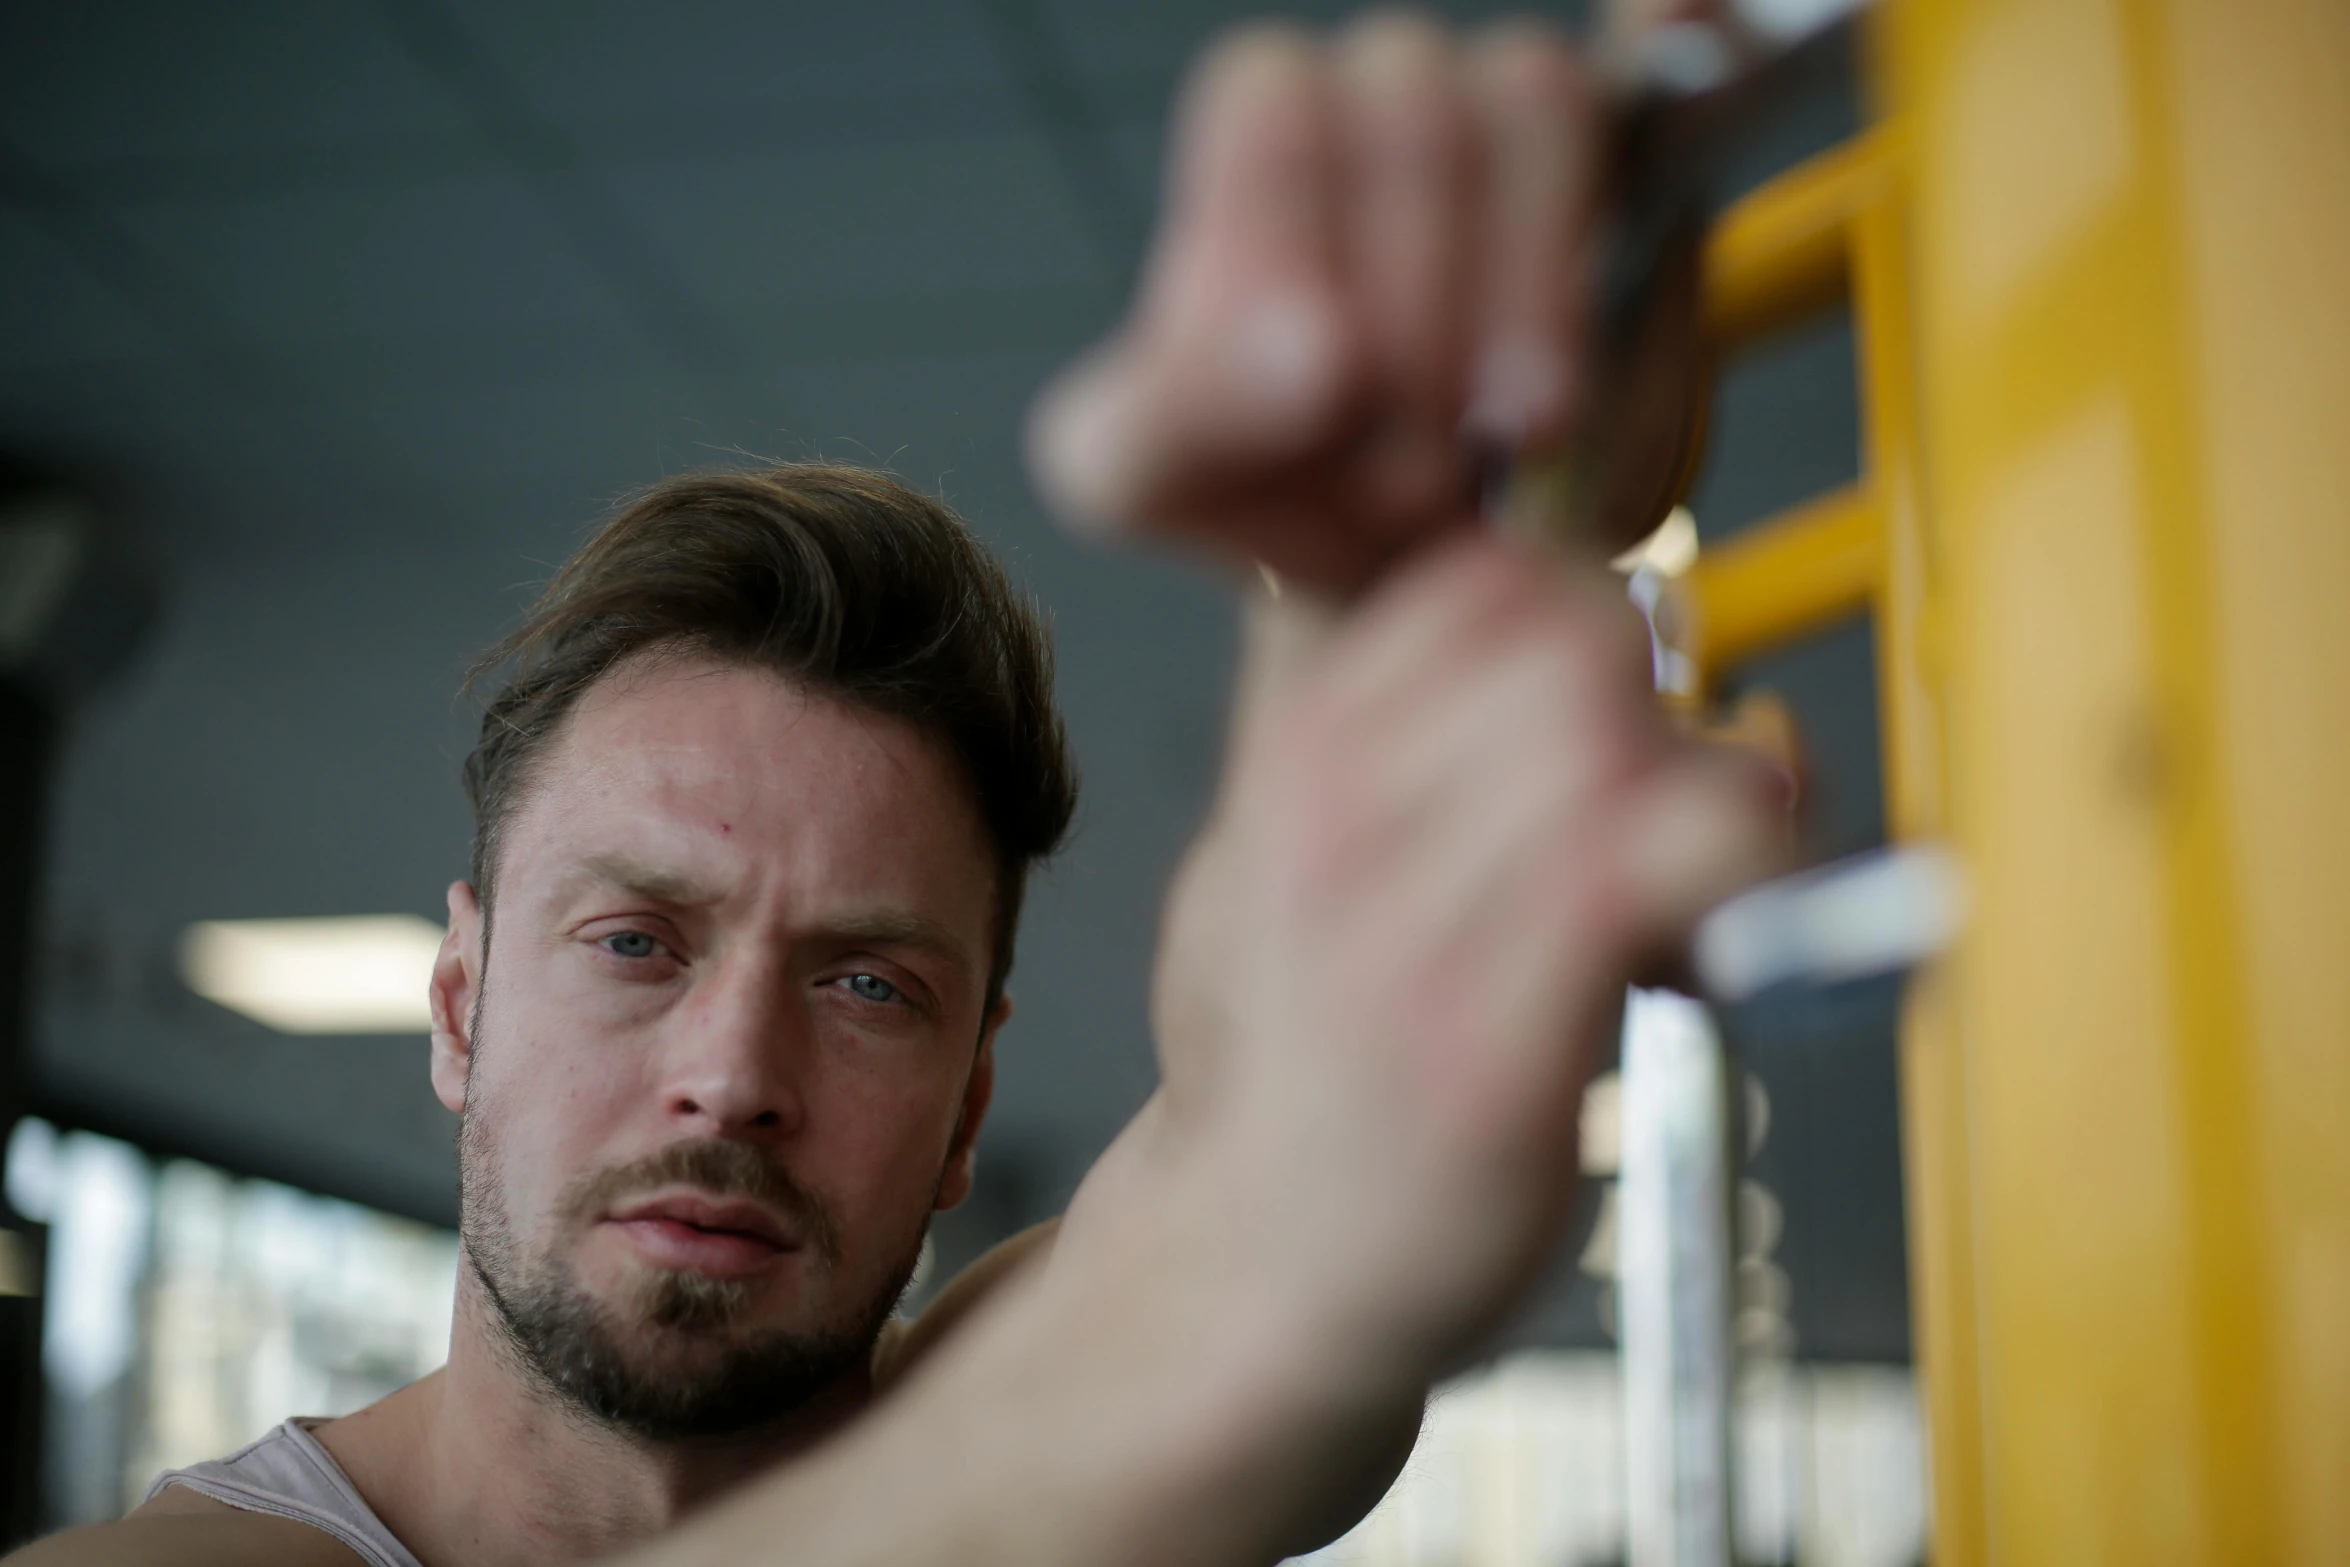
x,y
734,1051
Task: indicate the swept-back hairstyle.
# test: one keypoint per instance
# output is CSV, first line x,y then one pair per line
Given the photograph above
x,y
840,578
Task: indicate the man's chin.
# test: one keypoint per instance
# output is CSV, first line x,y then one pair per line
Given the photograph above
x,y
675,1354
666,1381
680,1360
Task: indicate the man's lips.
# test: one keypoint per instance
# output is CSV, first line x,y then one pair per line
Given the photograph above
x,y
724,1237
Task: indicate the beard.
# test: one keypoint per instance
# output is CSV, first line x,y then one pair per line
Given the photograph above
x,y
670,1359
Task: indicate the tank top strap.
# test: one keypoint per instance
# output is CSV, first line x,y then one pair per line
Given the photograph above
x,y
287,1473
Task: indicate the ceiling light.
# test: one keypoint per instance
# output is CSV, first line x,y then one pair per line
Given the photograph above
x,y
354,974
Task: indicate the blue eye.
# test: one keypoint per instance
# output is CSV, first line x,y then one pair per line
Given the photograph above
x,y
872,987
631,944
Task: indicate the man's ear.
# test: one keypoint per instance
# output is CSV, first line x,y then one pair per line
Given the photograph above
x,y
456,982
955,1184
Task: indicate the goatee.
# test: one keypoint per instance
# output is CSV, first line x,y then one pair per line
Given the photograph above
x,y
667,1362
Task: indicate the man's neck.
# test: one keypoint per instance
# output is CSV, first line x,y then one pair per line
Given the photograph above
x,y
480,1464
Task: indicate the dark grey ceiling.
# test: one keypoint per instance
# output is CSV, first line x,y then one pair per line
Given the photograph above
x,y
354,315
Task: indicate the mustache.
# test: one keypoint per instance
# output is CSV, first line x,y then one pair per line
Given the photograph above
x,y
727,1169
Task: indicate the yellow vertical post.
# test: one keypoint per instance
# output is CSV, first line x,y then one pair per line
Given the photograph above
x,y
1910,698
2122,692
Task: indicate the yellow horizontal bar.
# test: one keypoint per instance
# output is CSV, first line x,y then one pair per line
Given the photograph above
x,y
1783,252
1798,573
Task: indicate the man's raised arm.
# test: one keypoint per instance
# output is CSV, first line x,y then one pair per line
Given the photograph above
x,y
1451,822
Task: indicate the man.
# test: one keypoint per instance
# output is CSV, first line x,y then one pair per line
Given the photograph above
x,y
718,1008
719,1003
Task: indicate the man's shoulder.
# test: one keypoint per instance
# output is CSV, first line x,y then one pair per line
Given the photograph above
x,y
904,1344
181,1528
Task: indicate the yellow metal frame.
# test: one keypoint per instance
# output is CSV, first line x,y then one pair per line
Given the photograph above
x,y
2094,250
1786,253
1828,233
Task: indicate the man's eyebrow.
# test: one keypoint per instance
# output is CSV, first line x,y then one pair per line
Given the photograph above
x,y
645,879
664,884
892,927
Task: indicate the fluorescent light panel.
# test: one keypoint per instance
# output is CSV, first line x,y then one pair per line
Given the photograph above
x,y
352,974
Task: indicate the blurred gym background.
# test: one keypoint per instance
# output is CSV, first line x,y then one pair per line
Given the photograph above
x,y
329,327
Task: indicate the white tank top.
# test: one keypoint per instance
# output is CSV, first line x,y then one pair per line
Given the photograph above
x,y
287,1473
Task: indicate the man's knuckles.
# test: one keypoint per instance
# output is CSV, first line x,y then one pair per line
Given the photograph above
x,y
1255,84
1479,615
1527,67
1524,750
1311,305
1398,79
1410,170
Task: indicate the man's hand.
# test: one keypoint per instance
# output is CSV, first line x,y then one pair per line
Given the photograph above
x,y
1376,267
1372,274
1443,849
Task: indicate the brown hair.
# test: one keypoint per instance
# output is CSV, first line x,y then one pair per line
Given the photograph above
x,y
843,579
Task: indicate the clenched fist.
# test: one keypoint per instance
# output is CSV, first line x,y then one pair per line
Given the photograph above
x,y
1373,275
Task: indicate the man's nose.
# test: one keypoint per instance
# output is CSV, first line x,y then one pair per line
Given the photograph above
x,y
734,1061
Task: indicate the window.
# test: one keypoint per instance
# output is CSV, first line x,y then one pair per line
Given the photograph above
x,y
189,1310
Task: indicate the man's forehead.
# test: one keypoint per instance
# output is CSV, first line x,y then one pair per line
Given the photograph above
x,y
681,723
694,767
